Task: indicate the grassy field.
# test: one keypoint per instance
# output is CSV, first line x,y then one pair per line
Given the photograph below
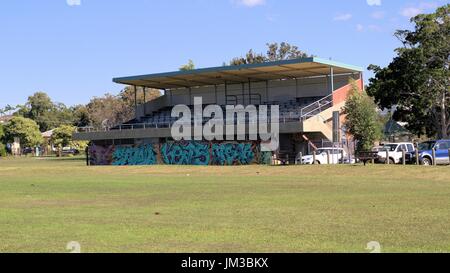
x,y
45,203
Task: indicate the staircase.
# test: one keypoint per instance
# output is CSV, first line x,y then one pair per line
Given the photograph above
x,y
316,116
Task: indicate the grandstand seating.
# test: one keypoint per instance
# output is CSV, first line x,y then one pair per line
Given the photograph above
x,y
290,111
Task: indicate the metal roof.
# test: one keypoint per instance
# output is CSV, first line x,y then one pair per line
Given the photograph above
x,y
278,70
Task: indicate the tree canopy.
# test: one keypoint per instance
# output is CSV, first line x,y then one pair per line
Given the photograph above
x,y
189,66
25,129
362,119
62,136
45,112
416,83
275,52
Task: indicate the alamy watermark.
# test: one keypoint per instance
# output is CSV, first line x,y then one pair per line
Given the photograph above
x,y
74,247
211,123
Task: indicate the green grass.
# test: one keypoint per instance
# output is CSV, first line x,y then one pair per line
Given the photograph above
x,y
45,203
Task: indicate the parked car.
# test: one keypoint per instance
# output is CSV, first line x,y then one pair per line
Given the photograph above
x,y
426,152
27,151
395,152
377,148
322,156
70,151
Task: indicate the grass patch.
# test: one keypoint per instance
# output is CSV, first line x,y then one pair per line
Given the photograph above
x,y
45,203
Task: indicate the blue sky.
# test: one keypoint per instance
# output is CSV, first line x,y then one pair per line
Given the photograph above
x,y
71,49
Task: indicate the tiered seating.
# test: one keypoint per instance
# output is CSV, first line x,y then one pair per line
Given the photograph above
x,y
289,111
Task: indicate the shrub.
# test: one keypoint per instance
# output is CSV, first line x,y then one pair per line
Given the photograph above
x,y
2,150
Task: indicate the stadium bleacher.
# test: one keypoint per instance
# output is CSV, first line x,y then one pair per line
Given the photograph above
x,y
290,111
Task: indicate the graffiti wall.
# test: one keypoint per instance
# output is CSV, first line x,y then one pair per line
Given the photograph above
x,y
233,153
140,155
185,153
181,153
100,155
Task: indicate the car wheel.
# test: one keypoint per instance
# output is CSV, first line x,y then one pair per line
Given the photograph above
x,y
426,162
391,161
317,162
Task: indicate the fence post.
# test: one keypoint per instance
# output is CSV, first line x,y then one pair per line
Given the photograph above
x,y
301,158
387,157
328,157
403,157
434,156
342,156
314,157
417,157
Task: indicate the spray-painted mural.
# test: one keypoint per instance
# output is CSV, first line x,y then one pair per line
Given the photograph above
x,y
185,153
100,155
140,155
181,153
233,153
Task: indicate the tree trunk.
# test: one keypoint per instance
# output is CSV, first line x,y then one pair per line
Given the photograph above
x,y
444,131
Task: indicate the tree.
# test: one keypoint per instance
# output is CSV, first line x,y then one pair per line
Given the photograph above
x,y
6,110
25,129
2,144
2,133
284,51
275,52
362,119
189,66
48,115
108,111
416,83
80,116
62,136
127,95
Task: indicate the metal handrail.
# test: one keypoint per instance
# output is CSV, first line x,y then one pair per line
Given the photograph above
x,y
319,107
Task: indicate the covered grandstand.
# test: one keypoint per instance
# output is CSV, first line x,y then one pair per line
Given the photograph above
x,y
308,91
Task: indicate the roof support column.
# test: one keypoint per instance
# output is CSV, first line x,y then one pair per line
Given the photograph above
x,y
226,93
215,93
144,89
331,79
249,91
135,101
243,93
190,96
267,92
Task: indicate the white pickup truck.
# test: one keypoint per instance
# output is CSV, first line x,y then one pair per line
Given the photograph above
x,y
324,156
395,152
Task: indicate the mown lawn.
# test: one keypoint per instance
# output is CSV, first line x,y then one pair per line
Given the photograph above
x,y
45,203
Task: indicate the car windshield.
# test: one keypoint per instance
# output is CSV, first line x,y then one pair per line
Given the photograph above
x,y
426,146
389,147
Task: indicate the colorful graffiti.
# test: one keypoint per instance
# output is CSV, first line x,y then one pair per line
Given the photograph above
x,y
181,153
185,153
265,158
233,153
100,155
140,155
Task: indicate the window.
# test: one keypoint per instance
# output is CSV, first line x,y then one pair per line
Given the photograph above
x,y
390,147
426,146
443,146
410,148
401,148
